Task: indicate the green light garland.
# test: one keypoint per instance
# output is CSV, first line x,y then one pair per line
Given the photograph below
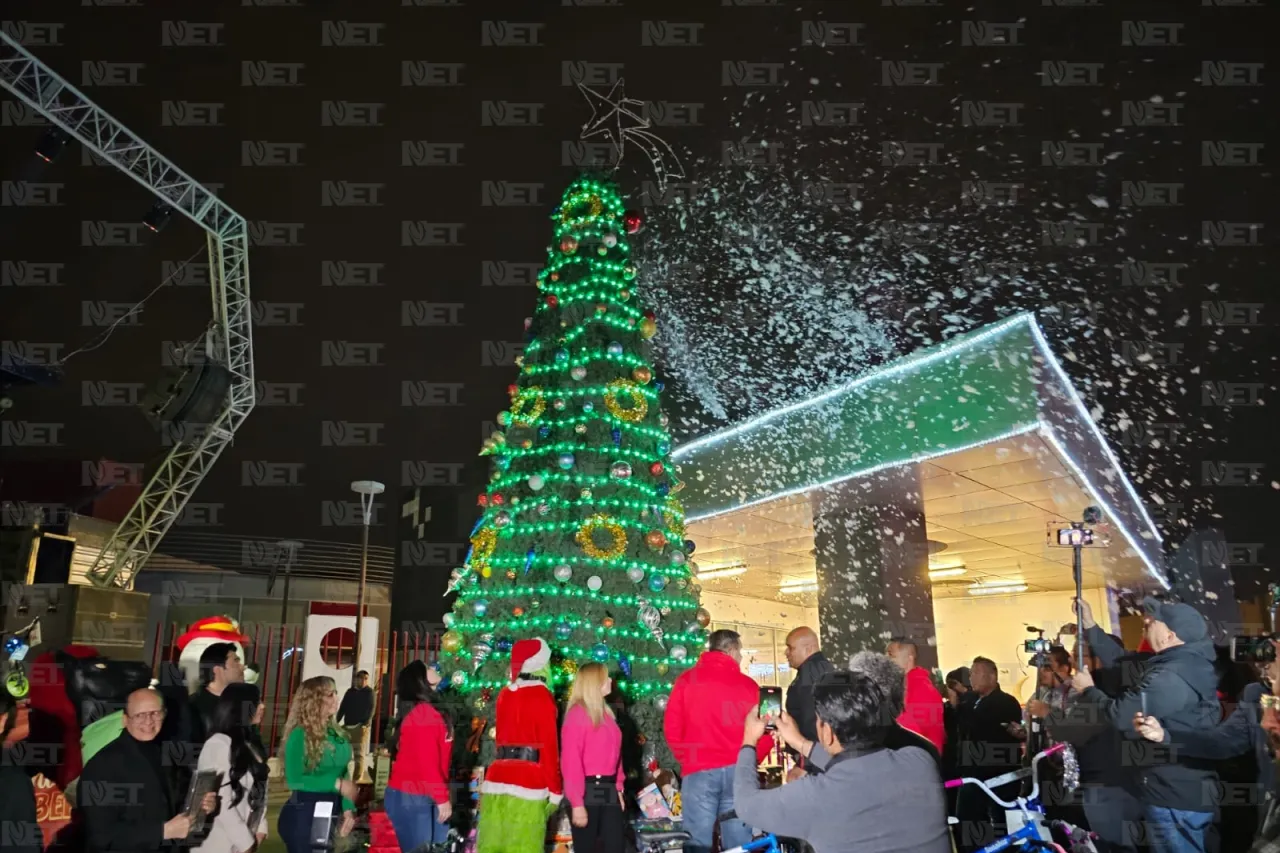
x,y
492,626
625,599
589,480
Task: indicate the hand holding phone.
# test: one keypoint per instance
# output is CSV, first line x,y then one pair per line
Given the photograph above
x,y
770,705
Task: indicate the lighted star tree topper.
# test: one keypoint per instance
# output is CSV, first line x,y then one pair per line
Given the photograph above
x,y
581,536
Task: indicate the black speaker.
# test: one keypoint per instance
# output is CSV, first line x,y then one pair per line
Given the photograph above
x,y
113,621
194,395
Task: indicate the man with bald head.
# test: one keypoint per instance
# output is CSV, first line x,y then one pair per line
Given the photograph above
x,y
127,792
809,664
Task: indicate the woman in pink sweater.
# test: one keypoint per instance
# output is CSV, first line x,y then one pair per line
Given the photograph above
x,y
417,797
591,762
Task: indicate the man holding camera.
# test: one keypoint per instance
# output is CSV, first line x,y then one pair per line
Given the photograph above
x,y
1179,686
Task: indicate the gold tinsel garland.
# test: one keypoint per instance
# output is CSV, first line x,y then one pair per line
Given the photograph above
x,y
483,544
585,537
539,405
639,405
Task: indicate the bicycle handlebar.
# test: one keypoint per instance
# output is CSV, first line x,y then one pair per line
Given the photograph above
x,y
987,784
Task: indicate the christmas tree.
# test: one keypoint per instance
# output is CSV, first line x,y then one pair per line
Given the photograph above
x,y
580,540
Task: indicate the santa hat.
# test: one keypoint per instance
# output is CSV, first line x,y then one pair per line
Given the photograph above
x,y
529,656
220,629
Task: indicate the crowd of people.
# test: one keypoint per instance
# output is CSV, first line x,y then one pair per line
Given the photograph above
x,y
1172,744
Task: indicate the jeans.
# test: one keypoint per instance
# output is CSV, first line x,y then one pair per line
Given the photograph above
x,y
1176,830
416,820
705,796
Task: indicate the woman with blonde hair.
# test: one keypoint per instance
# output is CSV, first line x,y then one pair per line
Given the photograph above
x,y
591,761
316,753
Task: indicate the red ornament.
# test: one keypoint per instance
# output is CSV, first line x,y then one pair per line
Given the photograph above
x,y
513,389
483,500
552,301
496,500
649,315
517,611
656,469
633,221
486,694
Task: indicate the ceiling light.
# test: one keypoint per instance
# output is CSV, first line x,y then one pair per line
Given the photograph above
x,y
1000,583
803,586
934,574
997,590
727,571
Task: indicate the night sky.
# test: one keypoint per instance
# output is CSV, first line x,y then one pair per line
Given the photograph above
x,y
329,137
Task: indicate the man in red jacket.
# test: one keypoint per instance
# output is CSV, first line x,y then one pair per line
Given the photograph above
x,y
922,710
703,725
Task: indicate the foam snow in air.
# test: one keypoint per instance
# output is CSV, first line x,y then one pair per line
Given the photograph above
x,y
803,257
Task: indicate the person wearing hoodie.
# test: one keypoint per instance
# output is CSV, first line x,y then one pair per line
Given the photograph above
x,y
922,711
1178,686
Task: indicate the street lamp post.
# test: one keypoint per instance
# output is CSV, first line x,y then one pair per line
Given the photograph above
x,y
290,548
367,490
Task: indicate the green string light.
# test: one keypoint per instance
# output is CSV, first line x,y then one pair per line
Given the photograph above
x,y
616,600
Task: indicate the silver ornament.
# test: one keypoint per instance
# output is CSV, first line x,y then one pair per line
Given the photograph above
x,y
594,583
635,574
562,572
660,701
679,653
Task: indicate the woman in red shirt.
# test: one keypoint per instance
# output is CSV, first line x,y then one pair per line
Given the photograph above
x,y
591,763
421,745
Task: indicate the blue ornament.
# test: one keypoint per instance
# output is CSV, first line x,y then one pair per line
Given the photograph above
x,y
624,664
504,462
562,355
662,489
616,434
544,431
563,630
615,348
588,406
658,386
504,644
689,546
664,447
657,582
528,559
566,461
600,652
11,645
480,607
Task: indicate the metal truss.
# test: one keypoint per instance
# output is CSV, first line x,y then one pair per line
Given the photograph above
x,y
230,335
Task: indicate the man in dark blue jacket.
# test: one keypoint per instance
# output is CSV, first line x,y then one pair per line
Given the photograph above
x,y
1177,685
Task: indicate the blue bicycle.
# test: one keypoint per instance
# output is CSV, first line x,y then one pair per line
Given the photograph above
x,y
660,836
1032,832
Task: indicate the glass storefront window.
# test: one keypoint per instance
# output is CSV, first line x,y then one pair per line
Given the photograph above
x,y
764,653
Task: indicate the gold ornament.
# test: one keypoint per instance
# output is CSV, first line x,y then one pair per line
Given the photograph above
x,y
662,667
585,537
450,641
639,405
594,203
648,328
569,667
483,544
642,375
532,401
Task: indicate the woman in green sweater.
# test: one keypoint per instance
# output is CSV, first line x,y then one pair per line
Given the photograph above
x,y
316,753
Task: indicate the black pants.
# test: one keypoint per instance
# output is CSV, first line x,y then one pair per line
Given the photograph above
x,y
1115,815
604,818
294,823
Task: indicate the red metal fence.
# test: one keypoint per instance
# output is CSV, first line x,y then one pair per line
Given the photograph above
x,y
276,652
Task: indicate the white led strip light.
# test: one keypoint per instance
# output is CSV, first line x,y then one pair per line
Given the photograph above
x,y
875,469
910,363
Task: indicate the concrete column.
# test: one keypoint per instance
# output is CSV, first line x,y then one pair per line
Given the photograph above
x,y
872,561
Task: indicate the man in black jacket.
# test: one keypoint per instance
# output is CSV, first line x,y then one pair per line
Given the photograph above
x,y
988,748
126,793
1110,807
1178,686
809,664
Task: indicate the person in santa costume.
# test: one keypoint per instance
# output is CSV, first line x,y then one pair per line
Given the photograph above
x,y
521,788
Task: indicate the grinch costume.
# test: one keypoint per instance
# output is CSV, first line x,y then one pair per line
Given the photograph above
x,y
521,788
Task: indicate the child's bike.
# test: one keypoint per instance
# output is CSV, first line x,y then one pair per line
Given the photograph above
x,y
1027,814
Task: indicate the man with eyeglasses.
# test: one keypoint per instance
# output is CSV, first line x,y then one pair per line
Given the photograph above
x,y
127,792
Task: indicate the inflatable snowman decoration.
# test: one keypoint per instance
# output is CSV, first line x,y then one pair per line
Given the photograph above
x,y
202,634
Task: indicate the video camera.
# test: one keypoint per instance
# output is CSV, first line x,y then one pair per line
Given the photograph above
x,y
1037,648
1253,649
